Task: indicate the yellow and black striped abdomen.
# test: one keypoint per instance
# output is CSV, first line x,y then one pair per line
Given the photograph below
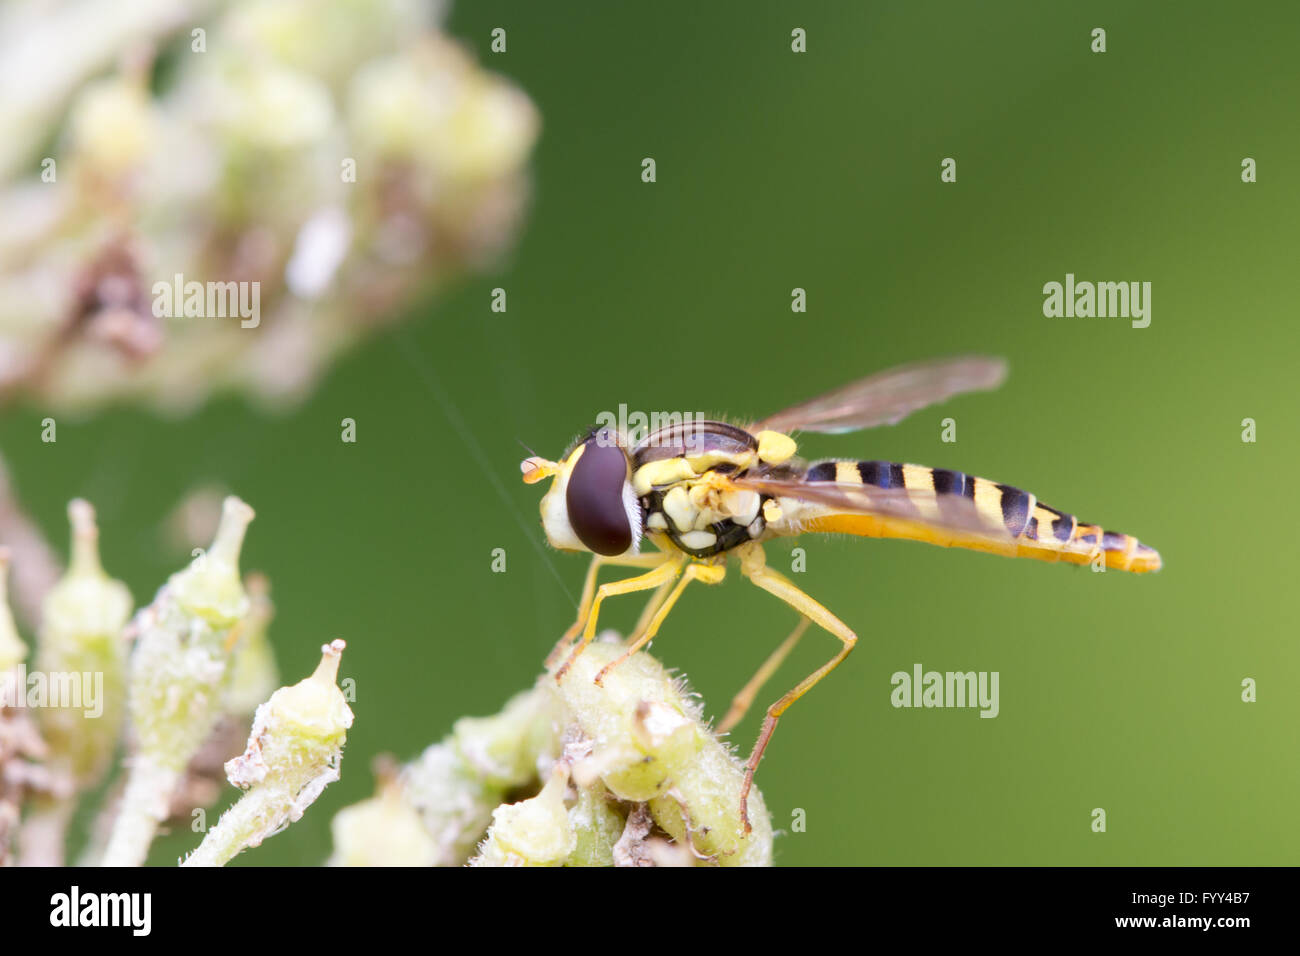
x,y
950,508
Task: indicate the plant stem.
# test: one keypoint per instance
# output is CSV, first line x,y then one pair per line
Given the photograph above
x,y
144,806
243,822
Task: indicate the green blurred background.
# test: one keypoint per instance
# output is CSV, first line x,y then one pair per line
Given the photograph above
x,y
821,171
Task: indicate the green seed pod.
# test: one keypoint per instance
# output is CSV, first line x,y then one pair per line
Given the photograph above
x,y
183,649
503,748
294,751
385,830
534,832
178,675
639,739
210,587
650,744
597,824
455,784
81,633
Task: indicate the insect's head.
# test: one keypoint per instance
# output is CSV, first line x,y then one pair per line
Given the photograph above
x,y
590,505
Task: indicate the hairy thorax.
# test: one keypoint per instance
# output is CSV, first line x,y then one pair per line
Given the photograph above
x,y
681,482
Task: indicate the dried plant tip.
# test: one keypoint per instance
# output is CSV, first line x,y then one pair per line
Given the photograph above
x,y
85,538
236,516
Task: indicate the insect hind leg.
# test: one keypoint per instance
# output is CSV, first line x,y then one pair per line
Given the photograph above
x,y
743,700
754,566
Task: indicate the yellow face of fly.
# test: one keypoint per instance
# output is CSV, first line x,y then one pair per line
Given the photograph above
x,y
590,505
554,521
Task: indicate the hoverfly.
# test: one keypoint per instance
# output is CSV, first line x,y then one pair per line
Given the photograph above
x,y
704,491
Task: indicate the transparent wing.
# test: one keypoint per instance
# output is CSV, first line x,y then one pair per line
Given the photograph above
x,y
890,396
953,513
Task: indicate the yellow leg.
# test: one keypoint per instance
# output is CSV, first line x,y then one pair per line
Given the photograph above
x,y
754,566
666,571
708,573
741,703
589,592
651,607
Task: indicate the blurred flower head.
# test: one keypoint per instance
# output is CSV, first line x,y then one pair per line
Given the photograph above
x,y
338,159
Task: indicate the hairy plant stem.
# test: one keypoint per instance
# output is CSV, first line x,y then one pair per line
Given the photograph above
x,y
144,807
250,814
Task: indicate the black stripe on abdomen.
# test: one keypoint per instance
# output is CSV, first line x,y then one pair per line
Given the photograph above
x,y
1015,509
1062,525
949,482
1114,541
881,474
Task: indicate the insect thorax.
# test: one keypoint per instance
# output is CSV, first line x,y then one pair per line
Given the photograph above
x,y
702,533
679,478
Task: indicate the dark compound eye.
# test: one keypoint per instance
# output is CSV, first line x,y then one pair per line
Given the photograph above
x,y
594,497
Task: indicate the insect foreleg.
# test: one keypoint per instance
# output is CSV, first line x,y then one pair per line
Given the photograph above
x,y
708,573
589,592
651,607
668,569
